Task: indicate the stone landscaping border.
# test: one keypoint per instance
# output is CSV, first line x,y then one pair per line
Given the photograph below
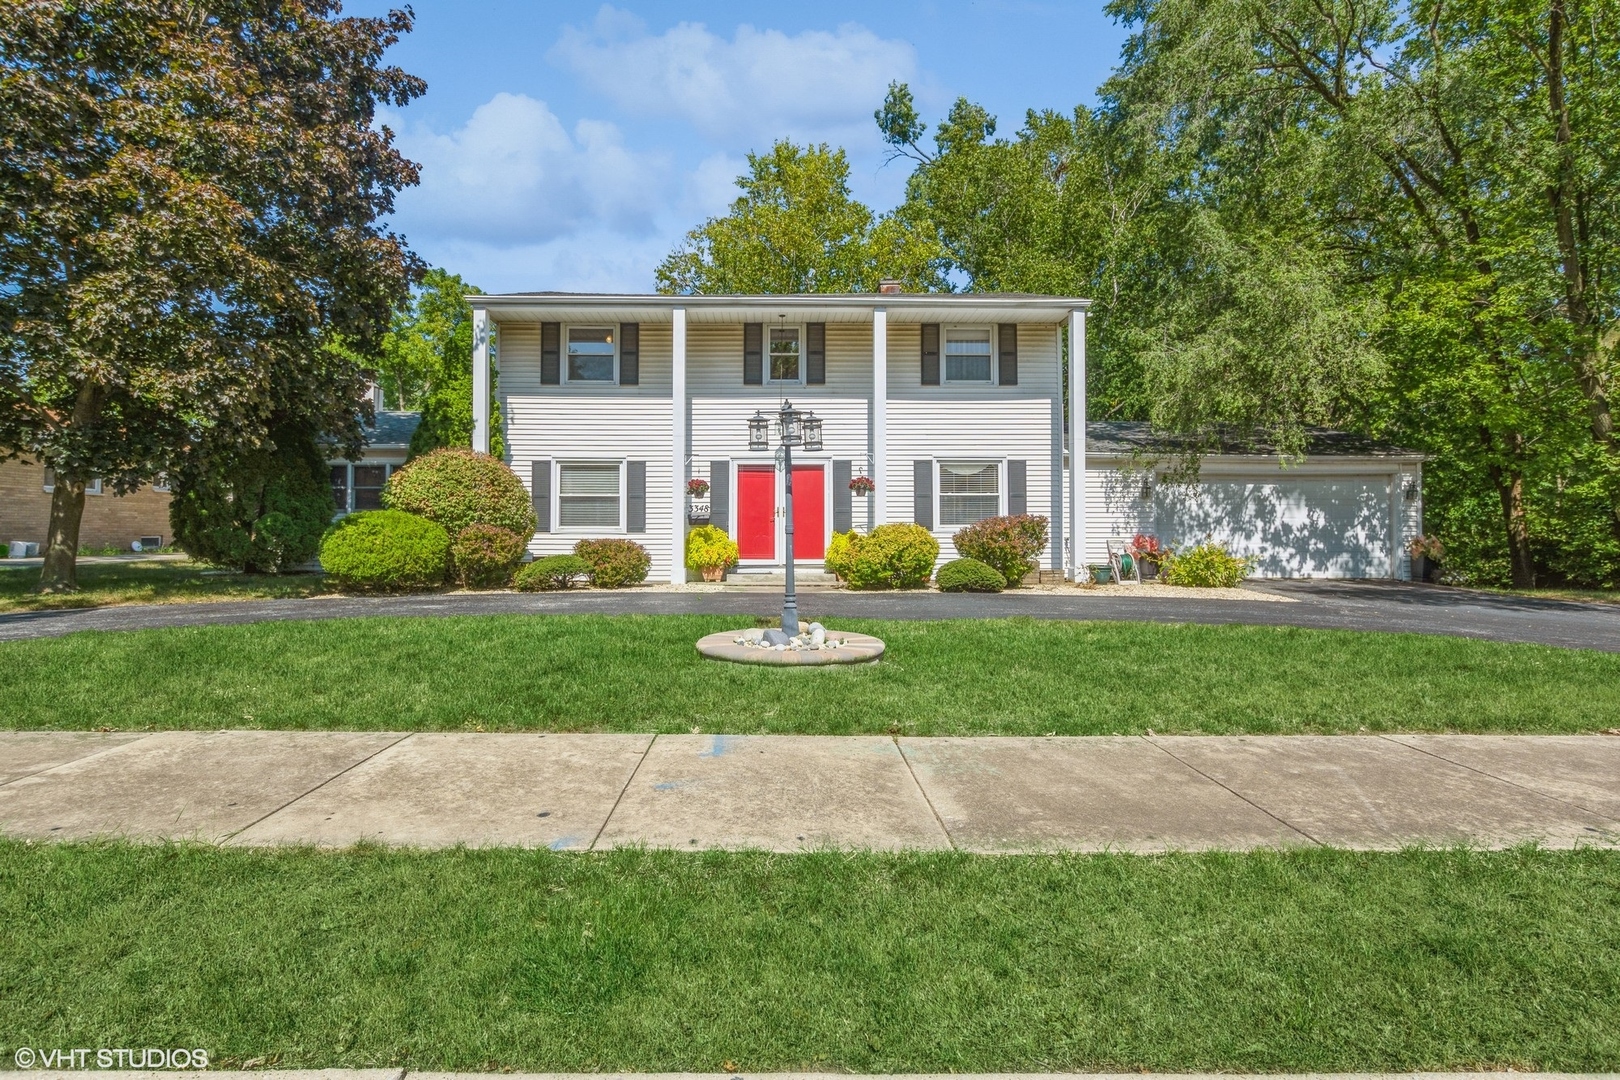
x,y
856,649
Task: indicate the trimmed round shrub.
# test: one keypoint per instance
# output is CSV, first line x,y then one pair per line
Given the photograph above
x,y
969,575
1009,544
1207,566
841,554
550,573
614,563
457,487
386,550
484,556
707,547
893,557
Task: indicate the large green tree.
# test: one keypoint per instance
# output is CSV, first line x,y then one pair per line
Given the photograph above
x,y
796,229
189,198
429,349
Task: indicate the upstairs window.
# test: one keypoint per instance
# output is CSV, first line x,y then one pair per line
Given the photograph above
x,y
967,355
590,354
588,495
969,491
785,355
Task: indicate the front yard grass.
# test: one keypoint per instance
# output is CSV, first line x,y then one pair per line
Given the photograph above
x,y
668,961
641,673
153,582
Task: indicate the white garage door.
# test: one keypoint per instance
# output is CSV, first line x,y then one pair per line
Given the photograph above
x,y
1336,527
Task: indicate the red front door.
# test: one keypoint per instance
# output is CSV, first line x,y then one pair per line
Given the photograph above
x,y
756,511
809,514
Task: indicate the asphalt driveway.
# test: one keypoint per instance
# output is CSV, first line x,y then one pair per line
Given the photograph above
x,y
1345,605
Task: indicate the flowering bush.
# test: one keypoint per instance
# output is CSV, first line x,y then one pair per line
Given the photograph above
x,y
1426,547
1009,543
697,487
484,556
862,485
614,563
457,487
709,548
1207,566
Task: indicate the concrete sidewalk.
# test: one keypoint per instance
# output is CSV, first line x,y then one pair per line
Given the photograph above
x,y
790,793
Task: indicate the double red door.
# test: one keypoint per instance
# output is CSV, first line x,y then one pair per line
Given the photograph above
x,y
758,519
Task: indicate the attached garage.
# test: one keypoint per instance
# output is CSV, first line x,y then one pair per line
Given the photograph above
x,y
1346,511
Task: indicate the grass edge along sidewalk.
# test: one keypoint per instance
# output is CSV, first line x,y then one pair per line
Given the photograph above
x,y
1305,961
962,677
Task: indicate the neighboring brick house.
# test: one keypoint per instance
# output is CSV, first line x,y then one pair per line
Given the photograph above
x,y
109,520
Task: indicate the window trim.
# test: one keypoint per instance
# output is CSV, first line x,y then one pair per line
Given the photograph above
x,y
797,328
562,348
557,497
389,468
944,355
1001,488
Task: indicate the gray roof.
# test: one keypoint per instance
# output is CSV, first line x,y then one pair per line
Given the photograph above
x,y
1138,437
392,429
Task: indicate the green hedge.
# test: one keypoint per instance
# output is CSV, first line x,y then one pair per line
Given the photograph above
x,y
484,556
457,487
614,563
969,575
889,557
550,573
386,550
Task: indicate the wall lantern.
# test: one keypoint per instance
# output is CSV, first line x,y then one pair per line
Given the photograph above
x,y
759,432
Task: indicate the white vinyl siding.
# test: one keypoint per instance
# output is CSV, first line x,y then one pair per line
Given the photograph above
x,y
590,495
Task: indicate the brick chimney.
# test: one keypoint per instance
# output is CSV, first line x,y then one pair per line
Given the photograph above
x,y
889,286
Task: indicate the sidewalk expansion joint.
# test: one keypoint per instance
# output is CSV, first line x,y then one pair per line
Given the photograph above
x,y
1501,779
627,782
1233,791
228,837
949,839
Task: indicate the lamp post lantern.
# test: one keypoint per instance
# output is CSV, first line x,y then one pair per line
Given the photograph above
x,y
794,427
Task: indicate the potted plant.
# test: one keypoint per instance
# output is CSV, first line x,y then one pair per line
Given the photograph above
x,y
862,485
710,552
1427,553
1149,553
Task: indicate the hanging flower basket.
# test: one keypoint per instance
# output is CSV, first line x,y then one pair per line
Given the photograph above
x,y
862,485
697,487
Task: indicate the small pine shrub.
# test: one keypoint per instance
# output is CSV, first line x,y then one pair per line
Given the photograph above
x,y
1009,544
550,573
893,557
1207,566
614,563
457,487
969,575
386,550
484,556
708,547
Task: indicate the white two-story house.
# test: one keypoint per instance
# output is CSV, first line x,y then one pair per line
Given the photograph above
x,y
953,405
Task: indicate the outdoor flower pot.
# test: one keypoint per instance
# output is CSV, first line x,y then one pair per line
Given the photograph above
x,y
714,573
1102,574
1150,570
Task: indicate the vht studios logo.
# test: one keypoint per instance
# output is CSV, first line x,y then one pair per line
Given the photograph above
x,y
85,1057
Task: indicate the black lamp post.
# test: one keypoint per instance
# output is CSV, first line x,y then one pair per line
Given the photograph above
x,y
794,427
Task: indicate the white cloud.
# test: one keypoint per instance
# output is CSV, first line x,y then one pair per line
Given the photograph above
x,y
761,84
514,175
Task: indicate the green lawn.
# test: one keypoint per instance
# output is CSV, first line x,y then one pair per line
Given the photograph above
x,y
155,582
641,673
1311,960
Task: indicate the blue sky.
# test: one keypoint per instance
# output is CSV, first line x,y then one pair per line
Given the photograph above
x,y
571,145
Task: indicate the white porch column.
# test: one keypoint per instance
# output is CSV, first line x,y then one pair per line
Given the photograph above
x,y
677,471
880,416
1077,443
480,373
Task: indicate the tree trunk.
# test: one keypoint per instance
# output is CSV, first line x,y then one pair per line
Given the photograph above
x,y
61,571
1510,489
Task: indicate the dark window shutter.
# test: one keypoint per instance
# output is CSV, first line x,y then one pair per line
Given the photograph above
x,y
540,494
843,498
753,354
635,496
550,353
1017,487
930,354
1008,375
922,493
815,353
629,354
720,494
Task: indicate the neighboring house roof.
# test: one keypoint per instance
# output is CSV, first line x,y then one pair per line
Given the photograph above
x,y
392,431
1122,437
